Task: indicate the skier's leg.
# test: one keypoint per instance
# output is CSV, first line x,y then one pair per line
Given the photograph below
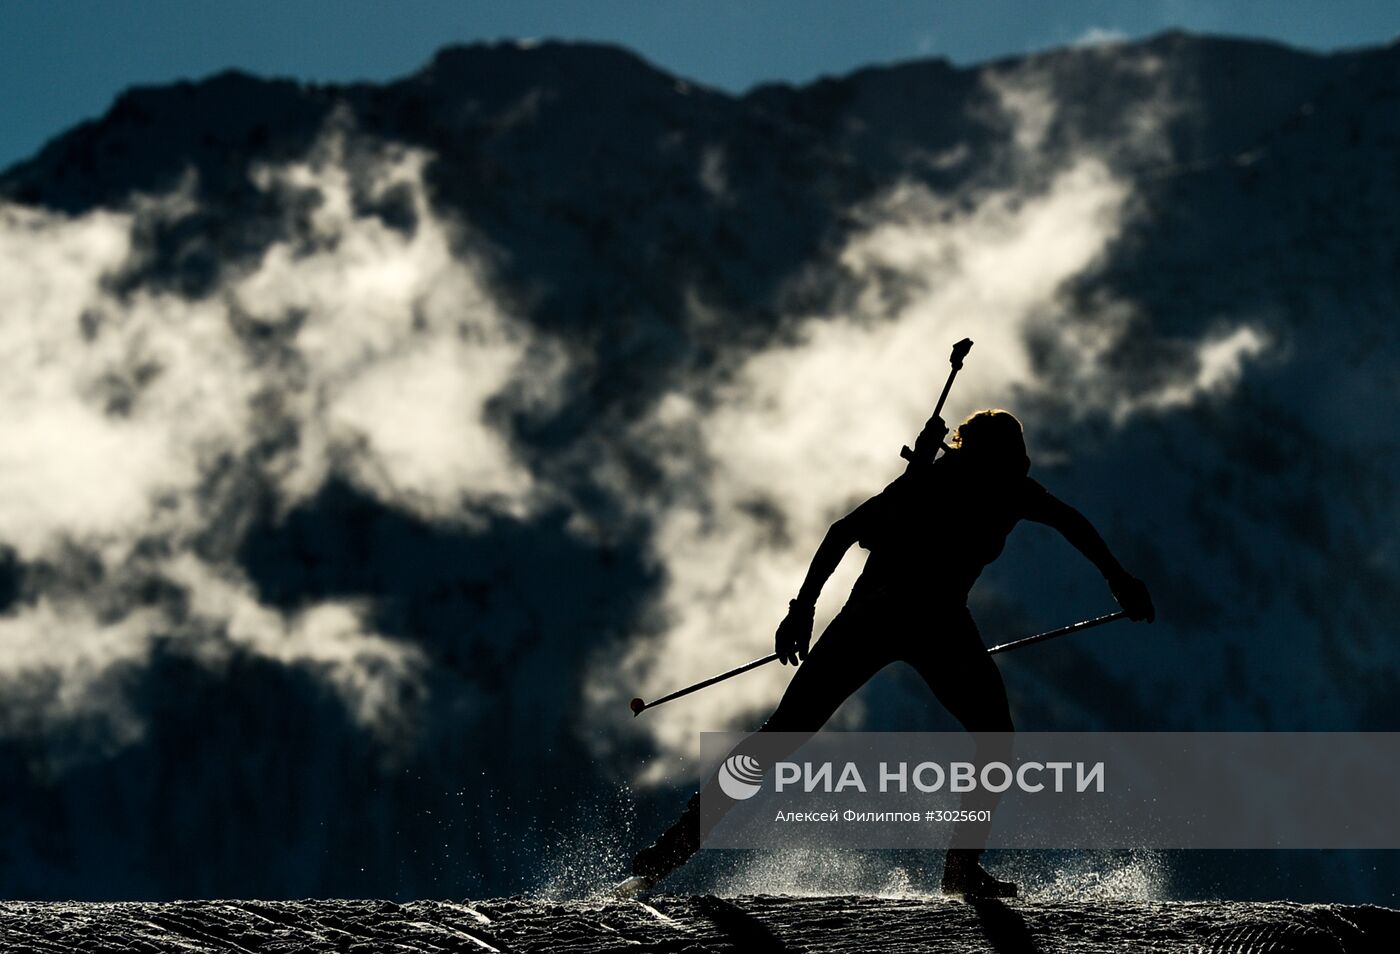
x,y
848,653
968,684
851,650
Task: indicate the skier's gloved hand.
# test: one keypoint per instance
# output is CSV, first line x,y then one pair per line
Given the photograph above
x,y
930,438
1131,594
794,633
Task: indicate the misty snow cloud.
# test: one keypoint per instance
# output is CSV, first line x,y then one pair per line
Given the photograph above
x,y
401,345
139,426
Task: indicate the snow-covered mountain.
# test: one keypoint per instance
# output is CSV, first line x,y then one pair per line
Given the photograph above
x,y
367,447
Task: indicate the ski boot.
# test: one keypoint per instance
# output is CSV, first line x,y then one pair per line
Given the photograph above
x,y
672,849
964,877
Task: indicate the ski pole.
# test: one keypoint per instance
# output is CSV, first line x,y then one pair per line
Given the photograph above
x,y
638,706
1052,634
960,351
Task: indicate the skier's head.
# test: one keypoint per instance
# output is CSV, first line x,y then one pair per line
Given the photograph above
x,y
993,441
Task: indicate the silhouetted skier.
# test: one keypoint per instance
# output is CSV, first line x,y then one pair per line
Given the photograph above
x,y
929,534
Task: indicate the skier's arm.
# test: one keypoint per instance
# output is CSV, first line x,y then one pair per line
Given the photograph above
x,y
795,632
839,538
1130,592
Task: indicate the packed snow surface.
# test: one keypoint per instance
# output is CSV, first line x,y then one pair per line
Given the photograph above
x,y
750,923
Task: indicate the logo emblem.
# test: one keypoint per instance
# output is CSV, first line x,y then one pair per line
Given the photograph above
x,y
740,777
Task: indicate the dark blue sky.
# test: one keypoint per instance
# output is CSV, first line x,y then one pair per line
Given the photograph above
x,y
62,61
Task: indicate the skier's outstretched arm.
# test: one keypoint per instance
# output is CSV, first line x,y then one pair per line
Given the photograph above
x,y
795,632
1130,592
